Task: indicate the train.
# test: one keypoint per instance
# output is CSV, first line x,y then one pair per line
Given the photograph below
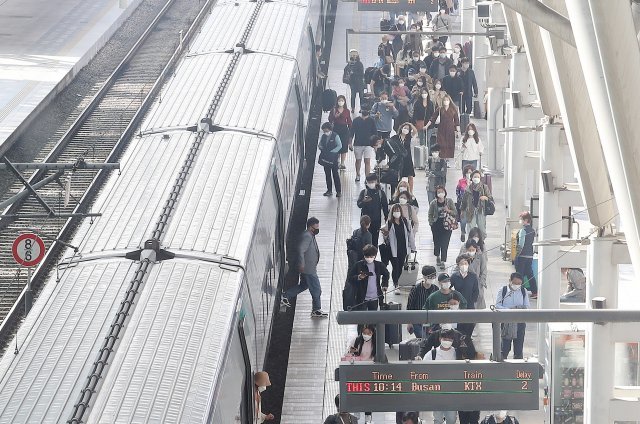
x,y
163,312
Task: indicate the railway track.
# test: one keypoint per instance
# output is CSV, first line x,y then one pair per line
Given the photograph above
x,y
98,134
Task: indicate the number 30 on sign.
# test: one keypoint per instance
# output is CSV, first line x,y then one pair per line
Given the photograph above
x,y
28,249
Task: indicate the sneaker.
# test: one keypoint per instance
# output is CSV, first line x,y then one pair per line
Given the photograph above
x,y
462,237
319,313
328,193
284,302
338,194
357,178
342,167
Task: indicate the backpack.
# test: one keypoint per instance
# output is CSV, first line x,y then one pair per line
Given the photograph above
x,y
368,74
347,74
524,291
354,242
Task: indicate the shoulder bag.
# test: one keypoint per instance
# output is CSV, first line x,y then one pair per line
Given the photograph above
x,y
489,204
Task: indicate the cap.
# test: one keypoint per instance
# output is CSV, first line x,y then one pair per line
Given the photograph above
x,y
353,51
428,270
262,379
443,277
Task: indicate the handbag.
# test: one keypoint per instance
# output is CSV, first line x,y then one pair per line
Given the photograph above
x,y
489,206
385,253
449,222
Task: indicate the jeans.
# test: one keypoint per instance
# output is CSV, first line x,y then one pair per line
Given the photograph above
x,y
518,342
356,91
524,268
463,223
478,220
467,103
328,170
473,163
307,281
449,416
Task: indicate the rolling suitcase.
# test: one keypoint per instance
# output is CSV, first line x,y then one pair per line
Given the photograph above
x,y
392,332
409,275
464,122
419,157
409,349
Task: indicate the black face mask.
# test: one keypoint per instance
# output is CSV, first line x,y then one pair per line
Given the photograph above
x,y
315,231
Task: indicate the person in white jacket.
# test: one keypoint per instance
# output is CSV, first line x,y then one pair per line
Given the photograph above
x,y
471,147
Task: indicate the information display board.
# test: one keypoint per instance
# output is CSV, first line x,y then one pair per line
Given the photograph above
x,y
439,386
398,5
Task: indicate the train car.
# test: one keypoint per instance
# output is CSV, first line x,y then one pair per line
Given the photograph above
x,y
176,283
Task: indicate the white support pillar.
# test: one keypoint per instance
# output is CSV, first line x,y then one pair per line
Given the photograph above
x,y
602,280
492,159
517,142
549,228
614,99
480,49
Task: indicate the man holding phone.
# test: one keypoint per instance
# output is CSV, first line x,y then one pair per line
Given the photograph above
x,y
373,202
370,279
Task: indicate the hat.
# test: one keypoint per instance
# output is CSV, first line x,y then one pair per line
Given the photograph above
x,y
353,51
443,277
428,270
262,379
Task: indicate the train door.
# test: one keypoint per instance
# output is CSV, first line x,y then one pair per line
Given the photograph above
x,y
247,413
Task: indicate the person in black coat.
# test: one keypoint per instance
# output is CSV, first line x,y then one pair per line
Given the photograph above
x,y
466,282
373,201
370,279
453,85
356,78
470,86
463,345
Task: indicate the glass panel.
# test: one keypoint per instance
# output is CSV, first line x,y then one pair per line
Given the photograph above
x,y
627,365
568,358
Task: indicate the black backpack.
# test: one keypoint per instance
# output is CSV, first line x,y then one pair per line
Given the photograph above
x,y
354,242
368,74
329,98
347,73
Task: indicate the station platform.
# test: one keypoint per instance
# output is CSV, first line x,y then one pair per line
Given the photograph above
x,y
44,44
318,344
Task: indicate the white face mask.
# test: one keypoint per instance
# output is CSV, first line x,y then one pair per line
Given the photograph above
x,y
397,214
446,102
367,337
477,239
472,254
447,326
443,11
446,344
456,49
441,195
435,54
435,154
369,260
425,95
262,388
452,74
464,268
454,307
402,189
438,86
501,415
405,131
515,287
401,84
476,180
445,286
471,133
402,201
420,83
371,185
427,282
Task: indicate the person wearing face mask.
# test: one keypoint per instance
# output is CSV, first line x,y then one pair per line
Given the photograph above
x,y
524,252
442,23
370,280
436,171
372,201
464,347
340,417
457,55
383,113
399,237
476,235
340,117
452,84
359,239
308,258
448,127
385,50
461,187
415,41
470,86
329,146
416,63
477,265
440,300
500,417
437,96
474,203
419,294
364,345
407,138
397,41
422,111
380,80
471,147
403,187
513,296
444,352
466,282
440,209
365,135
402,60
355,73
261,380
433,55
440,66
401,97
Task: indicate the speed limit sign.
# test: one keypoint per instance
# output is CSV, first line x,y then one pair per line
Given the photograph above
x,y
28,249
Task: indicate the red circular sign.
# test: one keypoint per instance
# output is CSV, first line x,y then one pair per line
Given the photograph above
x,y
28,249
